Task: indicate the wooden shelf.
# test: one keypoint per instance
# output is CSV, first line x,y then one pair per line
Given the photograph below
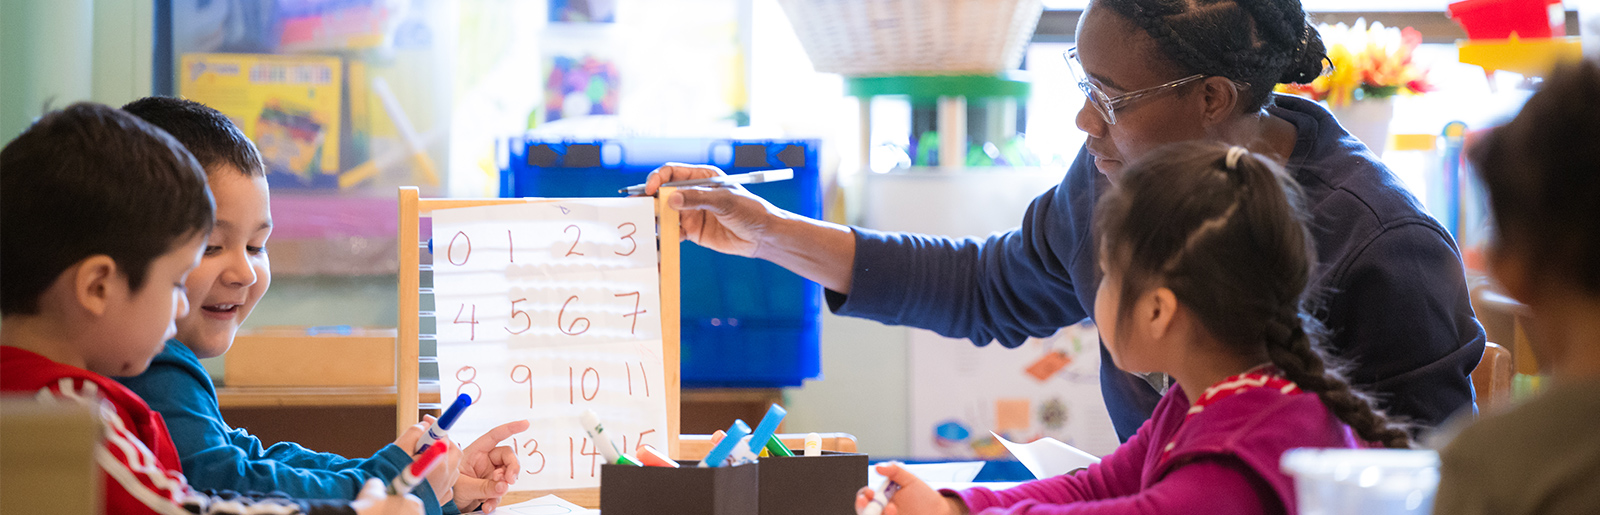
x,y
284,396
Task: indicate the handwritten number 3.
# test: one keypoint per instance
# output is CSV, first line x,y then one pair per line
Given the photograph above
x,y
629,237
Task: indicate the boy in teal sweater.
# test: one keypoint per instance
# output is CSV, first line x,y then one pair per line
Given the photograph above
x,y
233,274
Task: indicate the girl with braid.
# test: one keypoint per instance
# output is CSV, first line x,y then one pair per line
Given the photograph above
x,y
1207,265
1156,72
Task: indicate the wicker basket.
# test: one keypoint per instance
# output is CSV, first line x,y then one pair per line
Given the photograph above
x,y
907,37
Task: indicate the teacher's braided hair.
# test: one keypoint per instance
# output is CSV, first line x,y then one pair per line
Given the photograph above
x,y
1225,231
1257,43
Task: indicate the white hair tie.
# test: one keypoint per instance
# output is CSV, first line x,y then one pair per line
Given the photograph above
x,y
1234,153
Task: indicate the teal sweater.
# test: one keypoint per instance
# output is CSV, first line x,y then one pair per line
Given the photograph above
x,y
216,456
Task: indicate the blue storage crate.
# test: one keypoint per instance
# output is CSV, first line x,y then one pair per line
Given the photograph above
x,y
746,322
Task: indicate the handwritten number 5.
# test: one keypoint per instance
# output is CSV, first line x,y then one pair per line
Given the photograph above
x,y
524,314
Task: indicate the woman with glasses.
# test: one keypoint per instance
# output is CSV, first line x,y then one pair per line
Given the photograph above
x,y
1392,291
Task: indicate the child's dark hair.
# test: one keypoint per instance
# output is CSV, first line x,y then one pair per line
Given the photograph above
x,y
1542,172
208,134
91,180
1258,43
1232,245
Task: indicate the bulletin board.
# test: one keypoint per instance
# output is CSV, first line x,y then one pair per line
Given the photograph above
x,y
542,309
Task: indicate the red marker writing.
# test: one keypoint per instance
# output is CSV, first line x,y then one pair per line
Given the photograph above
x,y
410,476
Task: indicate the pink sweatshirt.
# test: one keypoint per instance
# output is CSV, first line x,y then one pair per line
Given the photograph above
x,y
1225,460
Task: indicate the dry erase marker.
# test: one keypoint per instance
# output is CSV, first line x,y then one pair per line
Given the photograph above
x,y
442,426
410,476
651,457
880,497
767,429
742,453
720,451
781,174
813,444
597,432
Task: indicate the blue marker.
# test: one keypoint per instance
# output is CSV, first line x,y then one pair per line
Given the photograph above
x,y
437,431
767,427
721,450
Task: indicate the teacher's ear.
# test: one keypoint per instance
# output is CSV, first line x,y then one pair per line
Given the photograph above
x,y
1221,97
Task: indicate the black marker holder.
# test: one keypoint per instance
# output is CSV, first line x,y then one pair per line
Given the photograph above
x,y
811,485
632,490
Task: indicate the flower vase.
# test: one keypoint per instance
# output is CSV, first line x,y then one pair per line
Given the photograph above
x,y
1367,120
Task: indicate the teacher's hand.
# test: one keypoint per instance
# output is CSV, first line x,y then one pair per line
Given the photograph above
x,y
726,219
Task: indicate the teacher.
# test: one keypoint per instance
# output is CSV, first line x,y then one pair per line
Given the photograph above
x,y
1393,295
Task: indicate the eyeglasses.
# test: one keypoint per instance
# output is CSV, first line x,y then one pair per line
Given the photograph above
x,y
1107,105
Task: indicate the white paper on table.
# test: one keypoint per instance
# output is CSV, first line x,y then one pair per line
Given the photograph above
x,y
953,472
545,310
547,505
1048,457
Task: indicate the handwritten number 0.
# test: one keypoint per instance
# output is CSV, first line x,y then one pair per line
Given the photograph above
x,y
450,252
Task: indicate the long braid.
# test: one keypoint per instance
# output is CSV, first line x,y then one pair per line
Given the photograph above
x,y
1291,350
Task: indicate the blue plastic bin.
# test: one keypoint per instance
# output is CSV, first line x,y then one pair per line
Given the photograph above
x,y
747,323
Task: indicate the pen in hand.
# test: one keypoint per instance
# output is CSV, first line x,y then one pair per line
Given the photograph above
x,y
780,174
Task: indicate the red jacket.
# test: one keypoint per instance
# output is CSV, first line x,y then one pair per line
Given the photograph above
x,y
138,462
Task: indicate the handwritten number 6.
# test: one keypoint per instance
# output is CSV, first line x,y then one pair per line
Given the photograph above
x,y
570,329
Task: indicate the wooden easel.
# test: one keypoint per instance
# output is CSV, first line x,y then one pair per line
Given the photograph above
x,y
412,245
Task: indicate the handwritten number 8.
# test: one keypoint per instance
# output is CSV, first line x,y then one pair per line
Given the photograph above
x,y
468,381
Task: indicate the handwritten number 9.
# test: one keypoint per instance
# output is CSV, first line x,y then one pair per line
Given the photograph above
x,y
525,379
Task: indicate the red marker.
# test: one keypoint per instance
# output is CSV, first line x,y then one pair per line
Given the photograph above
x,y
410,476
651,457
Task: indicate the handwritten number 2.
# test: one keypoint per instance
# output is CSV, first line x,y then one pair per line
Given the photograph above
x,y
573,251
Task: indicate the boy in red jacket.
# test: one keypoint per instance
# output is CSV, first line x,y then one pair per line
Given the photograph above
x,y
102,216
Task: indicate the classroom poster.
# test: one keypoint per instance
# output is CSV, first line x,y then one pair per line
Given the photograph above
x,y
544,310
288,105
1048,387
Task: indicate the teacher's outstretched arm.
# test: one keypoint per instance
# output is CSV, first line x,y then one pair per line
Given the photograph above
x,y
733,221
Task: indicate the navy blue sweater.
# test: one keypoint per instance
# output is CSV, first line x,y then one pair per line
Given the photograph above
x,y
1394,293
215,455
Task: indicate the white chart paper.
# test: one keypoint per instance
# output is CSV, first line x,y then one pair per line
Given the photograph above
x,y
545,310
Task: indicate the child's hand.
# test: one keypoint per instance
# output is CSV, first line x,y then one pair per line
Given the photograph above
x,y
375,500
408,440
914,498
487,471
443,476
